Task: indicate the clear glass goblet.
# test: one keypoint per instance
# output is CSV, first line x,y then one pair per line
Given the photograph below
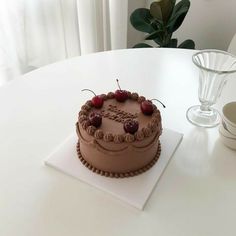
x,y
214,68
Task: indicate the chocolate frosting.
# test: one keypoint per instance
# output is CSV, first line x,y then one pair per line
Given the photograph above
x,y
91,129
117,174
134,96
98,134
146,131
139,135
108,148
118,138
108,137
129,138
85,124
82,118
85,107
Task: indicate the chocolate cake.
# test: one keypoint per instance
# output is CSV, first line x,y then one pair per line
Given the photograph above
x,y
119,136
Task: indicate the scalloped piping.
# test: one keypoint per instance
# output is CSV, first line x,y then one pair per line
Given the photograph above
x,y
118,175
107,151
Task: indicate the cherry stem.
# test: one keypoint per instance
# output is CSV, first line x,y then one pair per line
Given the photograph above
x,y
159,102
118,83
89,91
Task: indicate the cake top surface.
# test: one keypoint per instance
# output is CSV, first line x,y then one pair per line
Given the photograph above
x,y
114,114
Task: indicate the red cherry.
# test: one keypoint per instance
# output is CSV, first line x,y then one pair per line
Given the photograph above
x,y
120,95
95,119
131,126
147,107
97,100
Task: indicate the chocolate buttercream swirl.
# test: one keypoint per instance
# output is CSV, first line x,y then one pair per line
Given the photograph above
x,y
128,94
129,138
152,126
155,120
108,137
159,127
156,113
98,134
103,96
85,124
141,99
85,108
146,131
91,129
89,103
82,118
134,96
83,112
110,95
139,135
118,138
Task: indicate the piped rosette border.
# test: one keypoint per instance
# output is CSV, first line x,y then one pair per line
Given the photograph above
x,y
153,126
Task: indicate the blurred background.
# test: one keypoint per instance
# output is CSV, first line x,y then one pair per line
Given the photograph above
x,y
34,33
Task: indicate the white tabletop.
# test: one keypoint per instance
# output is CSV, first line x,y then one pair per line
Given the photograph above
x,y
196,194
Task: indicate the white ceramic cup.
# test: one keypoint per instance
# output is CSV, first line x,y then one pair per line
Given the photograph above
x,y
229,117
226,137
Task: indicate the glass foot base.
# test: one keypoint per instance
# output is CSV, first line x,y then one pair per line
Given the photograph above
x,y
198,117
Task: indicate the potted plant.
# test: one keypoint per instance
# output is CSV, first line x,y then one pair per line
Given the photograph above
x,y
160,22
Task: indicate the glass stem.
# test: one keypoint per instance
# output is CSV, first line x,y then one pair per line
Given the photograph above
x,y
205,107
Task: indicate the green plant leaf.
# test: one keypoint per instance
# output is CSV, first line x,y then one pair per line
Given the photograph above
x,y
142,20
154,35
188,44
158,40
162,10
173,43
155,10
178,15
142,45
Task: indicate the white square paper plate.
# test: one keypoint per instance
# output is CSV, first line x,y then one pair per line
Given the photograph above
x,y
133,190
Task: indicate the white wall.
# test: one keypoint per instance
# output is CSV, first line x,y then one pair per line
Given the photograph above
x,y
210,23
133,35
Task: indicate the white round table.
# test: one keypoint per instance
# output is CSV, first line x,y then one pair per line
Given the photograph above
x,y
195,196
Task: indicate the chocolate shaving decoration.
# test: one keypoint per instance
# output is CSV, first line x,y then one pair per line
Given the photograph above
x,y
86,124
108,137
139,135
98,134
129,138
146,131
118,138
91,129
134,96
